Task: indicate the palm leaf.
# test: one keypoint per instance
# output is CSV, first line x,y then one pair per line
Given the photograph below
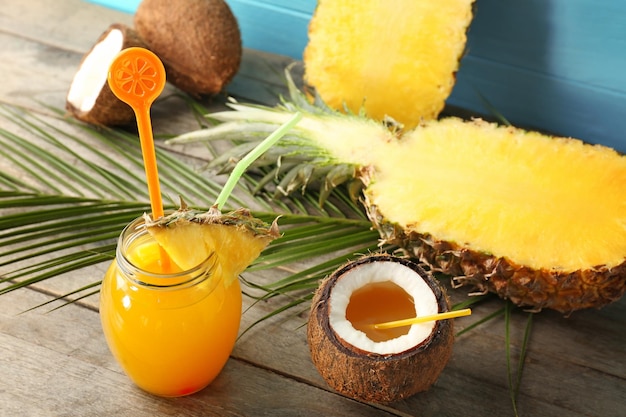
x,y
69,189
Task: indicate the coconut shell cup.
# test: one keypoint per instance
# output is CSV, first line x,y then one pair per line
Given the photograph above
x,y
107,109
372,377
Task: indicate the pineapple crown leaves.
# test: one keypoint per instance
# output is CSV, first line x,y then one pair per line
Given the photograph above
x,y
294,163
301,159
298,101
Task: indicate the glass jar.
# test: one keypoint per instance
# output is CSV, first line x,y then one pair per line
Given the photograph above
x,y
171,331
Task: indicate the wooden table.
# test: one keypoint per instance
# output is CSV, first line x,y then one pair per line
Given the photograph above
x,y
57,363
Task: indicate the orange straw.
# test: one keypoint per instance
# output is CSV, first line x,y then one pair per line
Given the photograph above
x,y
137,77
423,319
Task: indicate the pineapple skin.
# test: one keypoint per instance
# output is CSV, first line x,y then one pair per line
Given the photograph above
x,y
239,218
392,59
534,289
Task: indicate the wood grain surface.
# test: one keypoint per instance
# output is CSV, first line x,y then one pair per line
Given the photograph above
x,y
57,363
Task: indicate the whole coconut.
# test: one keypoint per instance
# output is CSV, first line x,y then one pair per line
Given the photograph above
x,y
198,41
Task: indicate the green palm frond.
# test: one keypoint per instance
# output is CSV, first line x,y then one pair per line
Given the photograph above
x,y
69,189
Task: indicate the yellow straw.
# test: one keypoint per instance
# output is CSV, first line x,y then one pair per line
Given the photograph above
x,y
423,319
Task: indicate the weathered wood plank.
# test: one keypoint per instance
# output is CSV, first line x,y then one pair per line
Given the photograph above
x,y
564,362
58,365
575,366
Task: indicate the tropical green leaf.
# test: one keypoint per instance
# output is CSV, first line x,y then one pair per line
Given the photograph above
x,y
72,188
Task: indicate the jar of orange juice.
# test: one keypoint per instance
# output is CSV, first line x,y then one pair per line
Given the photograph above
x,y
172,331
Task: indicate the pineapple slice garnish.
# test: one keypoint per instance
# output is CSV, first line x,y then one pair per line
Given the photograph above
x,y
189,237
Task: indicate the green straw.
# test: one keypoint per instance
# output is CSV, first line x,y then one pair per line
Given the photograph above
x,y
245,162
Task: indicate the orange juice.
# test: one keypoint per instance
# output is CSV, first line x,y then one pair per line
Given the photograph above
x,y
380,302
171,331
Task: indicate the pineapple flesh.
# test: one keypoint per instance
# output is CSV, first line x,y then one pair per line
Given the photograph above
x,y
484,185
536,219
391,59
189,237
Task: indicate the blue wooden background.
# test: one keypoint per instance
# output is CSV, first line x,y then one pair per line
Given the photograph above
x,y
553,65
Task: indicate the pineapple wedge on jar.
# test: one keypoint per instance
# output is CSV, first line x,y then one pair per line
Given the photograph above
x,y
189,237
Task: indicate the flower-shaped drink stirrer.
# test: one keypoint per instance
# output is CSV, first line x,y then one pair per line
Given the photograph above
x,y
137,77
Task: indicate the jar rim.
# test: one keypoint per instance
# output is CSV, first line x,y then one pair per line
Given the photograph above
x,y
136,229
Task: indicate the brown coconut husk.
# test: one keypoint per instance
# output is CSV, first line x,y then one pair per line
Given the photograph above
x,y
108,110
198,41
373,377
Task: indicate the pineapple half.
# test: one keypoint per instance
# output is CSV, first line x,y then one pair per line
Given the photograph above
x,y
538,220
389,59
190,236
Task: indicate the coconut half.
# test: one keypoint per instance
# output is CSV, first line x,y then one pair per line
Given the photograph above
x,y
379,365
89,98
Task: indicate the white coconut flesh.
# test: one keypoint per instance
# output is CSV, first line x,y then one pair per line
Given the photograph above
x,y
424,300
92,74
